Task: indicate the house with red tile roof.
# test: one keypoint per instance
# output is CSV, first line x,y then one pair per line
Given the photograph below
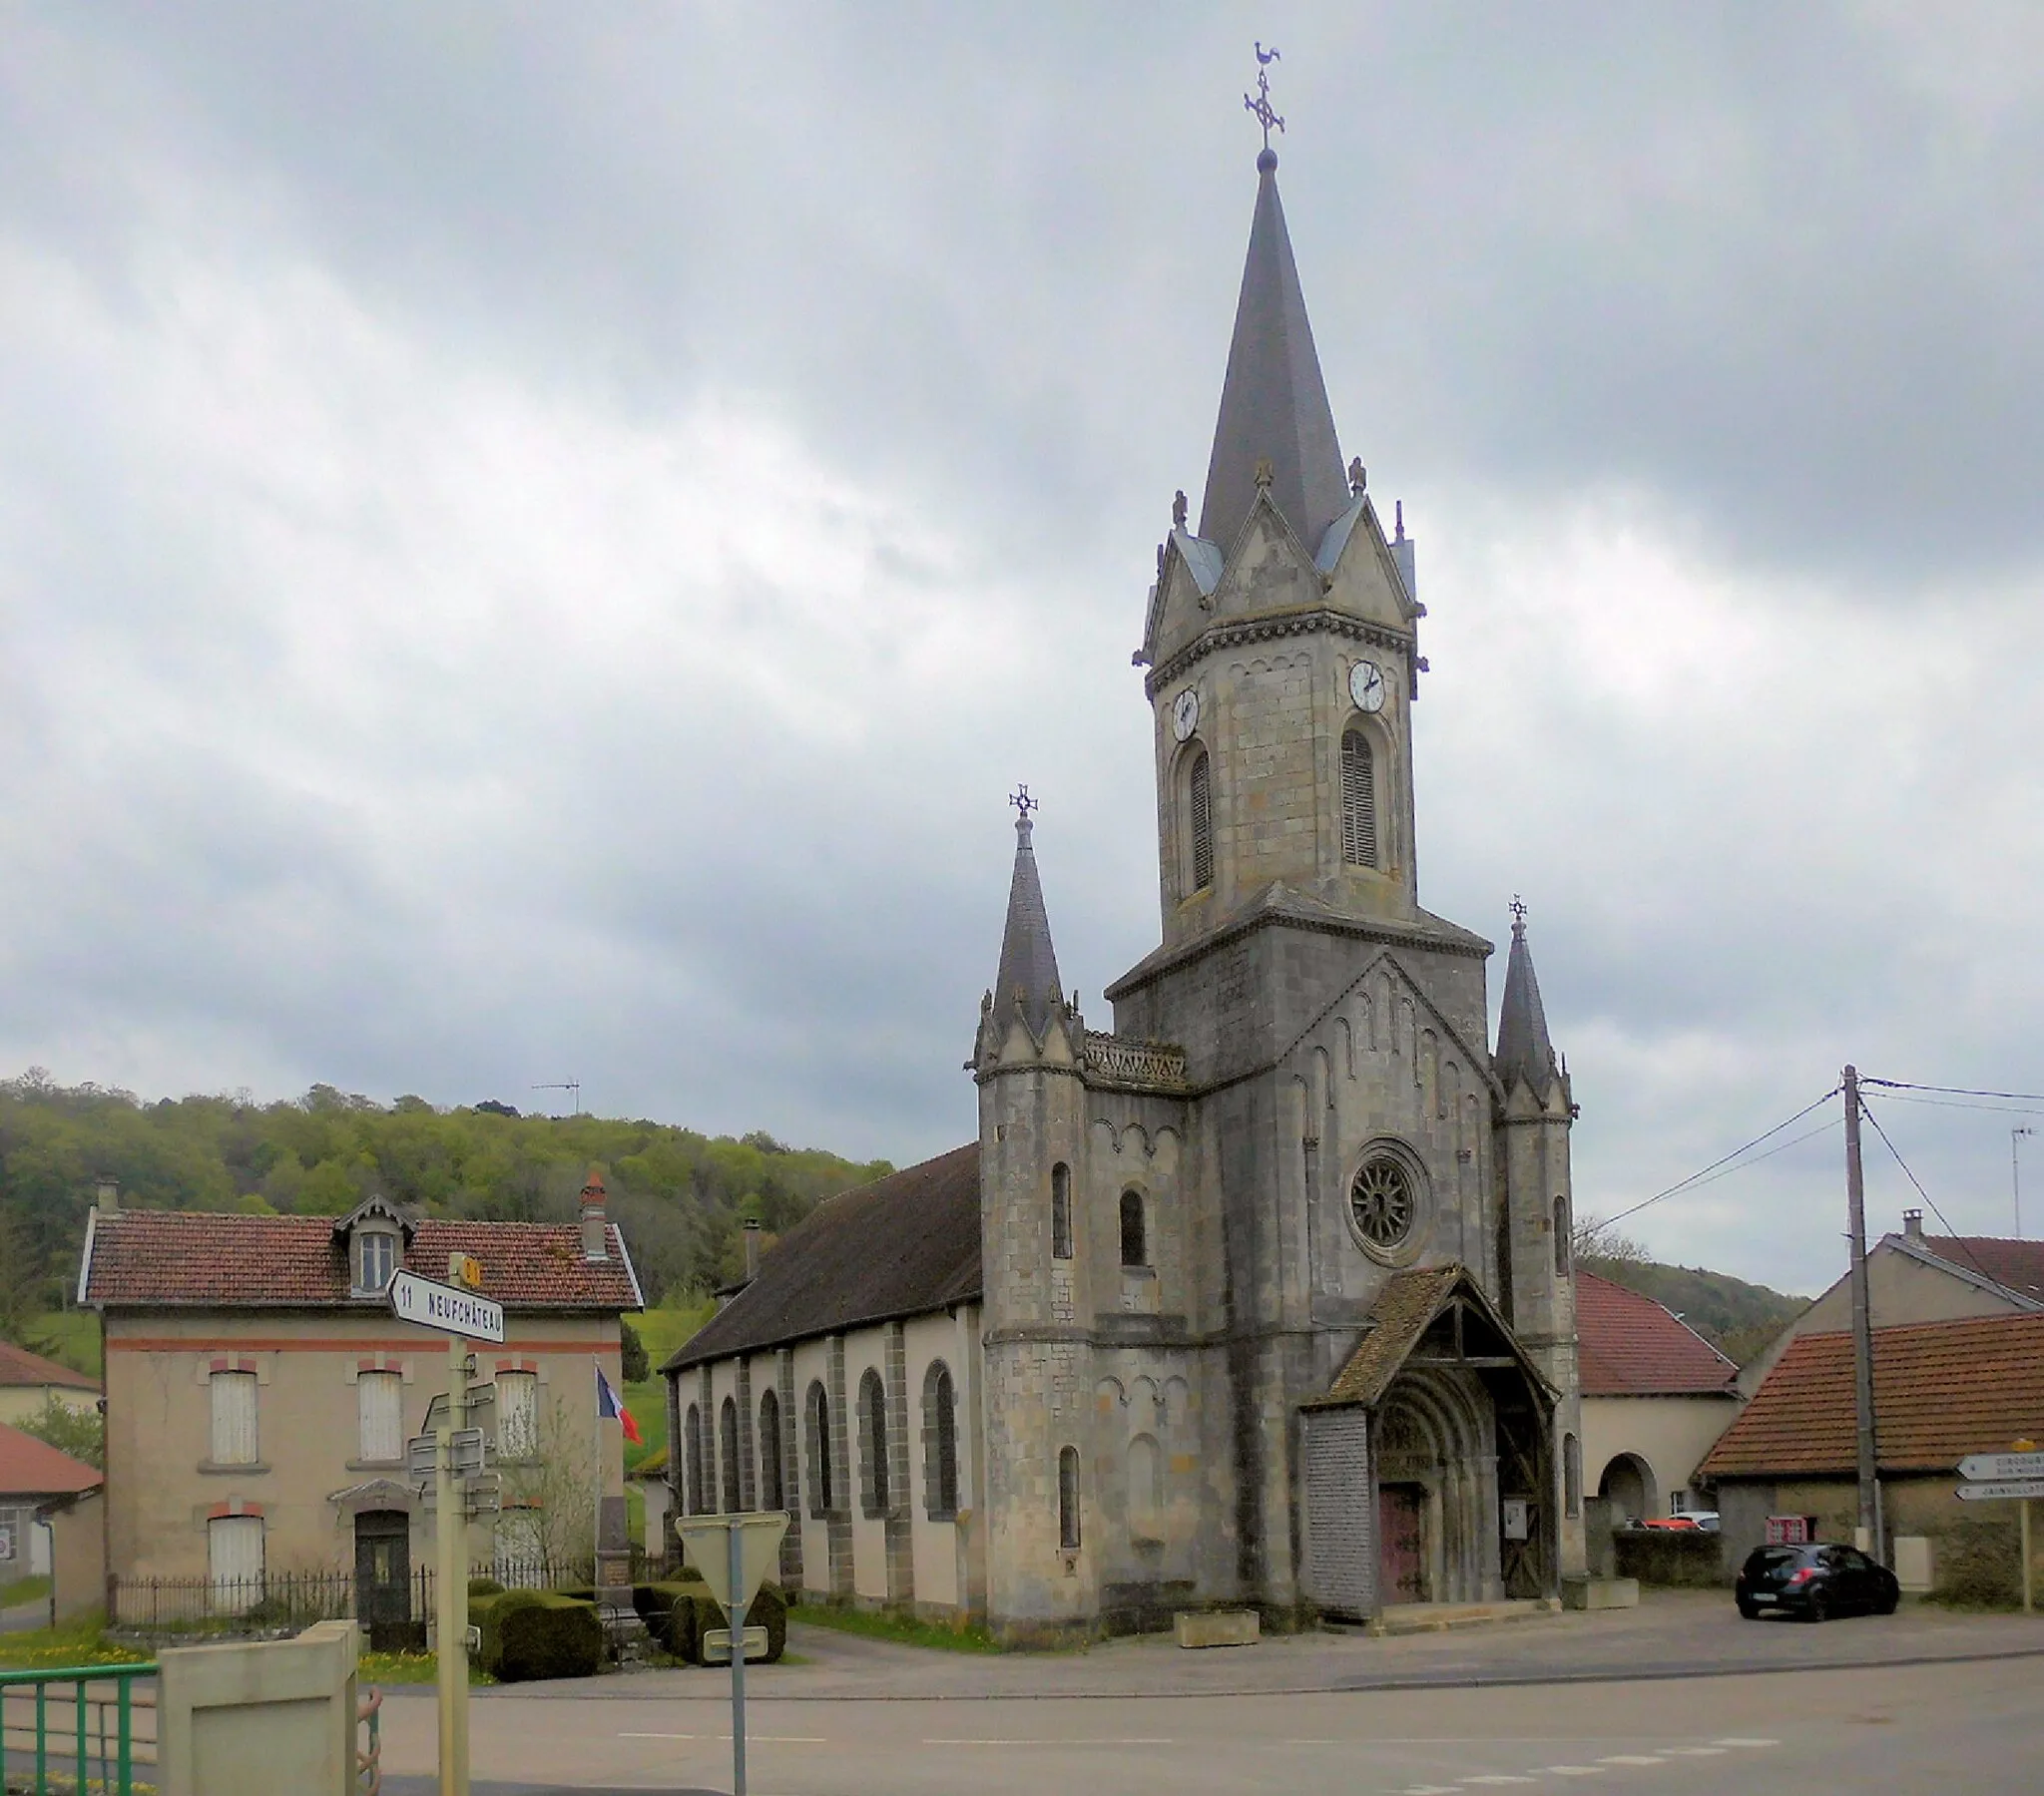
x,y
259,1392
50,1522
1656,1395
1941,1391
28,1381
1918,1277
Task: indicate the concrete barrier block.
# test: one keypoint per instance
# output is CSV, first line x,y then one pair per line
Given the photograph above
x,y
1217,1627
256,1719
1600,1592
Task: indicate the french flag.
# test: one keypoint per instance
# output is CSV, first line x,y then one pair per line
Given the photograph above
x,y
609,1404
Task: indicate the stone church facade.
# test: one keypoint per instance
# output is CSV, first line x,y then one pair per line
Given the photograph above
x,y
1264,1295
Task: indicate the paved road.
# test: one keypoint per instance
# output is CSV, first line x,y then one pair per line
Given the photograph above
x,y
1976,1727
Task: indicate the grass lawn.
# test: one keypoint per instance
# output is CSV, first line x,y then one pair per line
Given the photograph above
x,y
59,1649
662,1330
23,1589
895,1628
73,1338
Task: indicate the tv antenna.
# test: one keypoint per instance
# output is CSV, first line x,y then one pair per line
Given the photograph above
x,y
573,1086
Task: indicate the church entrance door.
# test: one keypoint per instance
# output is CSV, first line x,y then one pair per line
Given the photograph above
x,y
1401,1551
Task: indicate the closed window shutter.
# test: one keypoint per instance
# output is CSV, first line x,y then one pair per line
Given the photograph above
x,y
234,1561
1201,807
1359,801
233,1418
379,1402
517,1415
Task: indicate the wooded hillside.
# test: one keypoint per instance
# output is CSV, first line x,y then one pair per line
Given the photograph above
x,y
680,1196
1736,1318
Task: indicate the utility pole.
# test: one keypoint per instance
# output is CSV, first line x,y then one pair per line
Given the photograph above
x,y
2015,1173
1862,1329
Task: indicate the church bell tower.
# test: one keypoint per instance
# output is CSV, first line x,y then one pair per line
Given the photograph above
x,y
1281,643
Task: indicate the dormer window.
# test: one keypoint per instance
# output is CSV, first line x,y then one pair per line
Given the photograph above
x,y
375,1260
374,1233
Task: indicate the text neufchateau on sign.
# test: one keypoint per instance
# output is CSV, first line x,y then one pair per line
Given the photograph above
x,y
452,1311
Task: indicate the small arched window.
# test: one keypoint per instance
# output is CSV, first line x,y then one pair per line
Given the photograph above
x,y
1135,1246
693,1445
1145,1486
1068,1498
1061,1211
1359,801
773,1494
818,1418
872,1433
728,1451
1571,1476
1562,1243
939,1444
1200,806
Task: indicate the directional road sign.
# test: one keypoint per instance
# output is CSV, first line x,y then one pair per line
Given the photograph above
x,y
445,1307
1982,1466
2008,1487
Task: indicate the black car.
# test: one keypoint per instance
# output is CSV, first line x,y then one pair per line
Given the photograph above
x,y
1814,1581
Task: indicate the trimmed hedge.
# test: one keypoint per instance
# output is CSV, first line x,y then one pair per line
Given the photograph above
x,y
527,1634
484,1586
680,1612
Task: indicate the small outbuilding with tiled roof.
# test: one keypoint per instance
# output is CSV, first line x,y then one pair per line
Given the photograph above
x,y
28,1382
1656,1395
1941,1391
50,1522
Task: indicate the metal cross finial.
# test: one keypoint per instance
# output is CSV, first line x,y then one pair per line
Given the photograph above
x,y
1023,803
1518,914
1260,107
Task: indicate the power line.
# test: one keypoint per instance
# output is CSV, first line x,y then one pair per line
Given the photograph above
x,y
1954,1234
1702,1175
1994,1109
1902,1084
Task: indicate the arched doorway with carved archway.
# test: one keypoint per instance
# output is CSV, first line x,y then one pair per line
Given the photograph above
x,y
1626,1486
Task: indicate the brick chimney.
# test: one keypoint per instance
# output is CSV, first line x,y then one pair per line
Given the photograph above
x,y
752,1248
1913,1225
107,1192
596,1238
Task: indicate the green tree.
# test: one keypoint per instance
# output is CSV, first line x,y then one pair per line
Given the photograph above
x,y
636,1367
80,1433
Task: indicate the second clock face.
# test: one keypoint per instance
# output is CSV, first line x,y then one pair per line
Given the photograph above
x,y
1366,685
1185,714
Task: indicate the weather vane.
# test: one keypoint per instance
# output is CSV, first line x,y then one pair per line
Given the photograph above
x,y
1260,107
1023,803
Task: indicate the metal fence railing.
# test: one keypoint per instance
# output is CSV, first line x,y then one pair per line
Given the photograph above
x,y
290,1601
85,1727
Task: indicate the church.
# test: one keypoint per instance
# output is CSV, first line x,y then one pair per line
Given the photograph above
x,y
1263,1297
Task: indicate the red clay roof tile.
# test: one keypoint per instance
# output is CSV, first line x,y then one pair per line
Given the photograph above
x,y
19,1367
1941,1390
1628,1345
152,1259
32,1468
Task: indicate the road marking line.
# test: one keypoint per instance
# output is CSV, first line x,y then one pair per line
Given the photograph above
x,y
1746,1742
1574,1770
1695,1751
1429,1790
1497,1777
1630,1758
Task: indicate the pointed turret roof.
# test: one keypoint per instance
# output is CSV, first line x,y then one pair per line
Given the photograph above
x,y
1273,405
1523,1047
1029,964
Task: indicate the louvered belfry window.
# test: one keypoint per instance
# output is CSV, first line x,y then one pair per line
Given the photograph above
x,y
1201,807
1359,801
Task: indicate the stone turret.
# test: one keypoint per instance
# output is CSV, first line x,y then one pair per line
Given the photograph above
x,y
1032,1122
1536,1218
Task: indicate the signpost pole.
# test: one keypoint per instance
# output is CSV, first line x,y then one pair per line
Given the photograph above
x,y
446,1639
454,1519
737,1649
2027,1609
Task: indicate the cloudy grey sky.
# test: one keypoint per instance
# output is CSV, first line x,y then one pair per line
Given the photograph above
x,y
534,541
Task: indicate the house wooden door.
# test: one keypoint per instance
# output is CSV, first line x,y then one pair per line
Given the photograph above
x,y
1401,1551
383,1580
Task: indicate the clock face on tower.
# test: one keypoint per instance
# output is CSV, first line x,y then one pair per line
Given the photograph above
x,y
1185,714
1366,685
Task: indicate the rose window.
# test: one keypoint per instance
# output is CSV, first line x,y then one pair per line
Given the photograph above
x,y
1381,1199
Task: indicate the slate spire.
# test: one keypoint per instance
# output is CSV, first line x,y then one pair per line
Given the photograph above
x,y
1523,1047
1029,965
1273,404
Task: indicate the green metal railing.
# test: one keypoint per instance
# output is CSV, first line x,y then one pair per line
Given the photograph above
x,y
62,1745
